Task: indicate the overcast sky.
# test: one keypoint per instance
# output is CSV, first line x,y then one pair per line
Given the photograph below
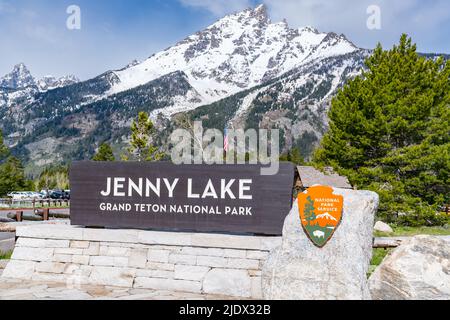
x,y
114,32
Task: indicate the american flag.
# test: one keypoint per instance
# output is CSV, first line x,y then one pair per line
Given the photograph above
x,y
225,140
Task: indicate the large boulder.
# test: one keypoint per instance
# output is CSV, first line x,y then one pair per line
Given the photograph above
x,y
418,269
300,270
382,227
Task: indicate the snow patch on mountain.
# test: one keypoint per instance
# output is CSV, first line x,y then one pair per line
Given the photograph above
x,y
247,102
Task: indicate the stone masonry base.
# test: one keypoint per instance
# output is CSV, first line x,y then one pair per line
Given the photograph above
x,y
190,262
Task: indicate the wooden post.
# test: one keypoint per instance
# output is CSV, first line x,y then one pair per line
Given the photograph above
x,y
19,216
46,214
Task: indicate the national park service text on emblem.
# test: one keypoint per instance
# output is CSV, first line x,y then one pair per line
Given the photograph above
x,y
320,213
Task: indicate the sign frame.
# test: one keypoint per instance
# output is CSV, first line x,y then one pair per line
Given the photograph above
x,y
270,203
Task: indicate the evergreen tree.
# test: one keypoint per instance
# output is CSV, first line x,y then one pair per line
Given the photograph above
x,y
12,177
309,210
293,156
55,177
105,153
389,132
4,152
141,147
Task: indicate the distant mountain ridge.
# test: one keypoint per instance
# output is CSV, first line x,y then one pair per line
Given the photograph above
x,y
242,71
20,78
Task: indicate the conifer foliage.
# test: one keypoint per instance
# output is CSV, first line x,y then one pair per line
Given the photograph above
x,y
390,132
309,210
104,153
53,177
12,176
141,144
293,156
4,152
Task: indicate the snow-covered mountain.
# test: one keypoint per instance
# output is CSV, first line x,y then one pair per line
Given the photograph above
x,y
19,78
238,52
19,87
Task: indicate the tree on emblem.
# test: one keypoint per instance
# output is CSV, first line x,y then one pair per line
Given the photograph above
x,y
309,210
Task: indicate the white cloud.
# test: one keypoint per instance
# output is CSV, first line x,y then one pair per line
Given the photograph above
x,y
218,7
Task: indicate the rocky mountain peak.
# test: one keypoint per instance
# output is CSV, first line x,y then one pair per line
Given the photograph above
x,y
256,17
51,82
20,68
20,77
309,29
334,39
260,12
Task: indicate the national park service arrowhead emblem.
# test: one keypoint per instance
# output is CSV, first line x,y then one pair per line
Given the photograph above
x,y
320,213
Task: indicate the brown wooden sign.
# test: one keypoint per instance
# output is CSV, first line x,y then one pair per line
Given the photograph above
x,y
164,196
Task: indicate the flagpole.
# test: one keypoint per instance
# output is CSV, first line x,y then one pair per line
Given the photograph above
x,y
225,142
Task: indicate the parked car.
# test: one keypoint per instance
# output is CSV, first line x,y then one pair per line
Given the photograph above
x,y
45,193
24,195
66,195
56,194
34,195
18,195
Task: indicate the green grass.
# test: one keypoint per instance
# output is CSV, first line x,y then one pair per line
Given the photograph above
x,y
5,255
378,255
413,231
